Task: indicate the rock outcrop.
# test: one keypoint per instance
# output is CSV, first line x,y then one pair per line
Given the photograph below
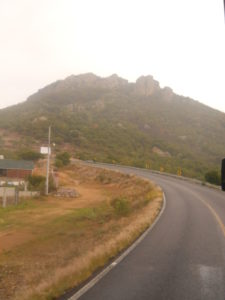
x,y
167,93
67,193
146,85
89,80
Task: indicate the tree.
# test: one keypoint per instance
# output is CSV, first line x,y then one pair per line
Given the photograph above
x,y
62,159
30,155
37,183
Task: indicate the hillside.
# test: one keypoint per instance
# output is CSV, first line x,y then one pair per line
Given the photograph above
x,y
112,120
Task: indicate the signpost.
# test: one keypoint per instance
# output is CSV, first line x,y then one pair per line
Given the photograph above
x,y
47,151
44,150
48,160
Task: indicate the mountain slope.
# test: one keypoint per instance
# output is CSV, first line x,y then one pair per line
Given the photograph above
x,y
110,119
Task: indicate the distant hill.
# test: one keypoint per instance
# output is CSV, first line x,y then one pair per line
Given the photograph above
x,y
112,120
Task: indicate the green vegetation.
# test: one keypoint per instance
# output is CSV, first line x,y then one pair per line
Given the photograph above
x,y
120,125
213,177
121,206
30,155
37,183
62,159
50,244
9,213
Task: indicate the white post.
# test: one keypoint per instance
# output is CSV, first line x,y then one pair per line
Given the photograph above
x,y
4,200
48,161
16,190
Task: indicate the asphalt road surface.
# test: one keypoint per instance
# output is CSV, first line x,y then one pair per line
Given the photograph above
x,y
182,258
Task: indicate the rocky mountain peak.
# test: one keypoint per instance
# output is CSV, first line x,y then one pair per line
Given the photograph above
x,y
167,93
146,85
114,81
87,79
91,80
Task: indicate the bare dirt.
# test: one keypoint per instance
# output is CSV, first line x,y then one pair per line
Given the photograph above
x,y
89,196
52,243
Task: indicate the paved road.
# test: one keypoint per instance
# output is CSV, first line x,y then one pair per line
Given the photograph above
x,y
182,258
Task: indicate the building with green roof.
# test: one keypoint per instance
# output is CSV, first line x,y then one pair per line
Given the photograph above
x,y
19,169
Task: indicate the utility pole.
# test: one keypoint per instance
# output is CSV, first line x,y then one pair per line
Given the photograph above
x,y
48,161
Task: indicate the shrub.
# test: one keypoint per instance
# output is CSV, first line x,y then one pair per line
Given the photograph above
x,y
62,159
58,163
213,177
101,177
37,183
30,155
121,206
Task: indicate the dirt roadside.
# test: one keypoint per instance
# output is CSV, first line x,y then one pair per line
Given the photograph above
x,y
49,245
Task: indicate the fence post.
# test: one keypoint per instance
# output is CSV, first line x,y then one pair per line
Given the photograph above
x,y
4,199
16,195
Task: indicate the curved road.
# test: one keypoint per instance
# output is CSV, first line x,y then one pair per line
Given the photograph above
x,y
182,258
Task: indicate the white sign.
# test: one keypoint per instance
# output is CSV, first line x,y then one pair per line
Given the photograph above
x,y
44,150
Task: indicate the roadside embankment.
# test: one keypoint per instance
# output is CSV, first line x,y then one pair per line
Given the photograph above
x,y
51,244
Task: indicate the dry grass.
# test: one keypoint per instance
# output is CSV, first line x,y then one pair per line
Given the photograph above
x,y
65,240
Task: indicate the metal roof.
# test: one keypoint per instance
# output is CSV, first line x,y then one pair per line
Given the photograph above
x,y
16,164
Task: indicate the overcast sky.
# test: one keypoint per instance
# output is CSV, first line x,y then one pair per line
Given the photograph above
x,y
180,42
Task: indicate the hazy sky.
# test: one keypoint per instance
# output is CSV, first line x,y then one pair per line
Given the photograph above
x,y
180,42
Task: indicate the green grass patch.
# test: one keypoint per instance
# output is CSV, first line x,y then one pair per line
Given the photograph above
x,y
14,208
8,215
15,215
93,214
121,206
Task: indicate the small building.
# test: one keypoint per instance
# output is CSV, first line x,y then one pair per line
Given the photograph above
x,y
15,169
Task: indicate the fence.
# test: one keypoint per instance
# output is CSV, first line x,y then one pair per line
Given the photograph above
x,y
11,195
